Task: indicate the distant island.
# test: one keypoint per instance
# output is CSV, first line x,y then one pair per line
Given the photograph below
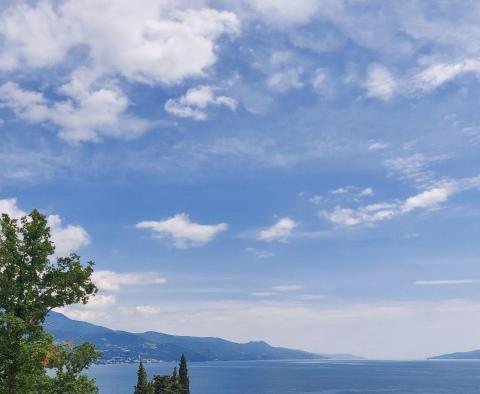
x,y
471,355
125,347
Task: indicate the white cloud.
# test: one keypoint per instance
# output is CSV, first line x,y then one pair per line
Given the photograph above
x,y
367,192
427,199
67,239
323,83
9,206
102,301
284,72
320,80
340,190
399,31
285,12
36,36
373,213
183,231
88,115
287,287
438,74
156,41
112,281
446,282
147,310
364,215
374,146
414,167
316,199
310,297
262,294
380,83
285,80
194,103
109,283
260,253
280,231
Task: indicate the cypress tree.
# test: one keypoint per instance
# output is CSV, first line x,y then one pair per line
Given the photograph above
x,y
183,376
174,380
162,384
142,387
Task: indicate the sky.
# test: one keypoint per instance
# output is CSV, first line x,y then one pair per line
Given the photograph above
x,y
304,173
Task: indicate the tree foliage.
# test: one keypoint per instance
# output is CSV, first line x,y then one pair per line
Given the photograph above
x,y
183,376
143,386
172,384
31,285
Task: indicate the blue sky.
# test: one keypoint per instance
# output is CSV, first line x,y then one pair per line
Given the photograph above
x,y
305,174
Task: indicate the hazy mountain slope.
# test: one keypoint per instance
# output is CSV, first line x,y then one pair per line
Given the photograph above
x,y
472,355
126,346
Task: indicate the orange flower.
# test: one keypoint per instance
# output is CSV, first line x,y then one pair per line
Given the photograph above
x,y
69,345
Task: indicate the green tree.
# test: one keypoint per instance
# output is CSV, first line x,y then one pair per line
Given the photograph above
x,y
174,379
183,378
162,384
31,285
143,386
172,384
69,362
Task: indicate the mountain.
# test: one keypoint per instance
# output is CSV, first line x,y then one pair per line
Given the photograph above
x,y
122,346
472,355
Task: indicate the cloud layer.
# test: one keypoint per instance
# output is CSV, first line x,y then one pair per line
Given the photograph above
x,y
154,43
112,281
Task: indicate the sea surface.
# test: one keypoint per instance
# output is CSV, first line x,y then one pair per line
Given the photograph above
x,y
302,377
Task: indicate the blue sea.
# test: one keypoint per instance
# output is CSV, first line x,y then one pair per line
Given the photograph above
x,y
302,377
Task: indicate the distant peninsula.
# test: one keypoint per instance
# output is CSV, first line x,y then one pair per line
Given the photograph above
x,y
471,355
125,347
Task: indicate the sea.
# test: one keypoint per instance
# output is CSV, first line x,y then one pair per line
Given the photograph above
x,y
302,377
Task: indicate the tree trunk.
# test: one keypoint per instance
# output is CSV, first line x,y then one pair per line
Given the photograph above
x,y
12,370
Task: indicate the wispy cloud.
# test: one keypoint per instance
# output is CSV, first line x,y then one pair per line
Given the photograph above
x,y
377,146
446,282
377,212
195,102
280,231
340,190
415,167
282,288
425,200
262,294
283,81
260,253
380,83
112,281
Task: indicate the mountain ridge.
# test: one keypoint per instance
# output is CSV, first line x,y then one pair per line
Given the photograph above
x,y
121,346
469,355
